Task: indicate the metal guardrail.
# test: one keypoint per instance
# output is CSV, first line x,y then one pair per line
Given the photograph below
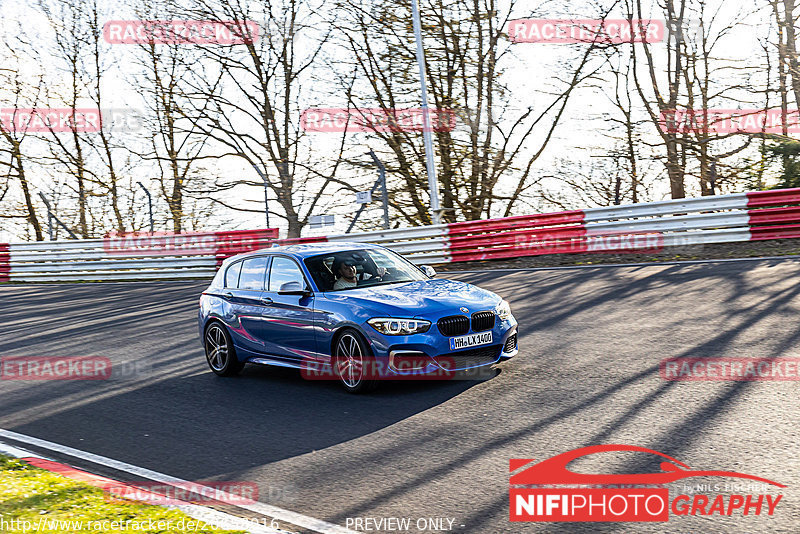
x,y
641,227
128,257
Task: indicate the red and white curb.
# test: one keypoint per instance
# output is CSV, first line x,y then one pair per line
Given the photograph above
x,y
209,516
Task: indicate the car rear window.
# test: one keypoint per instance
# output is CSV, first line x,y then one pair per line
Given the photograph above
x,y
253,271
232,275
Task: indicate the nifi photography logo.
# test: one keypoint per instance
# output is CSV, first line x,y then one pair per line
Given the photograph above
x,y
548,491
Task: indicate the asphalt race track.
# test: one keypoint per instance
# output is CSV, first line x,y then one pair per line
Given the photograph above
x,y
591,340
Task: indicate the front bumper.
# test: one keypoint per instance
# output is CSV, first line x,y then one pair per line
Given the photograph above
x,y
428,353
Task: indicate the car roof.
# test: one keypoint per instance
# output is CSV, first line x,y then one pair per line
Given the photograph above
x,y
309,249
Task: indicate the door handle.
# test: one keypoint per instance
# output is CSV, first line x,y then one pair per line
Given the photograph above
x,y
266,301
228,294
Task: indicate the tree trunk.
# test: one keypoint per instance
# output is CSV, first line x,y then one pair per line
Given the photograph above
x,y
31,217
675,169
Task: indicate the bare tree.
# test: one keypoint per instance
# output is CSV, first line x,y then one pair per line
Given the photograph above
x,y
249,98
630,142
103,145
16,94
617,173
665,98
683,78
67,150
467,52
710,79
786,19
175,148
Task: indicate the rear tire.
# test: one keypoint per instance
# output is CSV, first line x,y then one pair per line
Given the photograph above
x,y
349,355
220,353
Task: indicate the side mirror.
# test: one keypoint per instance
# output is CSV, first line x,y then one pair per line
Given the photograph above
x,y
429,271
293,288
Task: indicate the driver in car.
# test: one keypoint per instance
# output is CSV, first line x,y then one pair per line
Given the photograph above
x,y
346,274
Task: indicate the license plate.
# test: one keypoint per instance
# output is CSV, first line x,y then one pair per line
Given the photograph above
x,y
471,340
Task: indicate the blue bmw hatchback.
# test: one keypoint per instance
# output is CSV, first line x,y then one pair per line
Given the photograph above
x,y
362,311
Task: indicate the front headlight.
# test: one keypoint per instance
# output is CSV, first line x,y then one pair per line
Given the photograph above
x,y
503,310
399,327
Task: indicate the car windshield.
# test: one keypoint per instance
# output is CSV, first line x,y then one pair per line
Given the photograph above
x,y
340,271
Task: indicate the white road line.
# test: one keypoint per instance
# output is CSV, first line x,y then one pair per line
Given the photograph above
x,y
317,525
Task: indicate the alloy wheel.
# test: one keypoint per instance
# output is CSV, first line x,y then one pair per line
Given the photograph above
x,y
349,360
216,348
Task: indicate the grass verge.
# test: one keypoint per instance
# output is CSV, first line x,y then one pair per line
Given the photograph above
x,y
35,500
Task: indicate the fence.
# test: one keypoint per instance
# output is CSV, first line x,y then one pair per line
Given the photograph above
x,y
126,257
640,227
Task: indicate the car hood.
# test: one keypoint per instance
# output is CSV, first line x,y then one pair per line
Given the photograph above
x,y
421,298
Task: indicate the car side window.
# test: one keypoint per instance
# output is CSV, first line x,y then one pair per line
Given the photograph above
x,y
282,272
253,271
232,275
381,260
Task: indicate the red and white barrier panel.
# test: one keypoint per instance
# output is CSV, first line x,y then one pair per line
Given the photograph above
x,y
774,214
526,235
5,262
644,227
221,245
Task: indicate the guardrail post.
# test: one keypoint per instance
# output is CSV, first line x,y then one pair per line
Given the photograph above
x,y
382,177
51,216
149,205
382,182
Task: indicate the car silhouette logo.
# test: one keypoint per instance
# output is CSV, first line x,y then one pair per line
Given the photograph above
x,y
464,310
554,470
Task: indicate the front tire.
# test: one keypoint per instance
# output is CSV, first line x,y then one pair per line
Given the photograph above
x,y
220,353
350,356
